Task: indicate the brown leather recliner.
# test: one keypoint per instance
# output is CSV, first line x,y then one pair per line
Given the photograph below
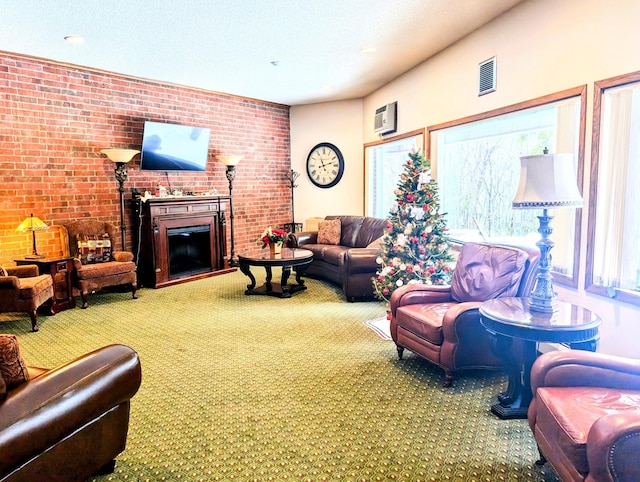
x,y
25,290
442,323
92,276
585,415
69,423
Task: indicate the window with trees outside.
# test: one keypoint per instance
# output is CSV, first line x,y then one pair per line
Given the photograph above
x,y
384,162
613,247
476,162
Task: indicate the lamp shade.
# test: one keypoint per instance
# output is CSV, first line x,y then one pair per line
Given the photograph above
x,y
32,223
547,181
120,155
229,160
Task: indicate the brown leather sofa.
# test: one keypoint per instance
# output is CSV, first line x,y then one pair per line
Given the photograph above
x,y
442,323
69,423
350,264
585,415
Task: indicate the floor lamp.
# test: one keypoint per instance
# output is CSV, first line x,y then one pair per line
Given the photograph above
x,y
231,162
121,157
547,181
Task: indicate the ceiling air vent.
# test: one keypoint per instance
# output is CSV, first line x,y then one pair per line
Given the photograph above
x,y
487,76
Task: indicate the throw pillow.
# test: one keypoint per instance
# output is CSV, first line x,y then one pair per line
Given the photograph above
x,y
3,272
329,231
94,249
12,366
376,243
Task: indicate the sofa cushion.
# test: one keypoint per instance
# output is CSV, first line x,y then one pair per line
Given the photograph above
x,y
12,366
329,231
424,320
110,268
34,285
484,272
350,228
370,230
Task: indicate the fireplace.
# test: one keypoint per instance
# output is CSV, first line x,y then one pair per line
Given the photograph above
x,y
181,239
189,250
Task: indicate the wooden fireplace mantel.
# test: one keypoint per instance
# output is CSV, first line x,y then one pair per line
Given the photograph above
x,y
159,258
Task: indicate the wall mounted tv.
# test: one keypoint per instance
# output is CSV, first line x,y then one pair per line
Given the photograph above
x,y
173,147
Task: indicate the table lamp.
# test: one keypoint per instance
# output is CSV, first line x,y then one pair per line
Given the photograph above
x,y
33,224
547,181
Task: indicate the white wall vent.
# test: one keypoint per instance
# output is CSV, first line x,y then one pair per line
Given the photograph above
x,y
385,120
487,76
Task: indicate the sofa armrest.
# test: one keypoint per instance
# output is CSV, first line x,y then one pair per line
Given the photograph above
x,y
122,256
24,271
419,294
297,240
10,283
60,401
613,445
361,260
575,368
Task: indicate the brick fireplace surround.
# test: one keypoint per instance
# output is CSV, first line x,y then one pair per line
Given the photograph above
x,y
55,119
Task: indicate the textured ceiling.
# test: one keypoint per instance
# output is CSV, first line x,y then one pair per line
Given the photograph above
x,y
230,46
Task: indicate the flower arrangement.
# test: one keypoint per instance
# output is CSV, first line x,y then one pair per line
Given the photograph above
x,y
273,236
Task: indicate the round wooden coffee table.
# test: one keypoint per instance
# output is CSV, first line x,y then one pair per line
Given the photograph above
x,y
294,258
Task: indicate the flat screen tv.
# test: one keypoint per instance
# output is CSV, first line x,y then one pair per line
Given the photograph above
x,y
173,147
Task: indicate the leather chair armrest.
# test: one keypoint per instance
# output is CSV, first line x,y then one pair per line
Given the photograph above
x,y
64,399
361,260
122,256
459,317
298,240
574,368
419,294
24,271
613,445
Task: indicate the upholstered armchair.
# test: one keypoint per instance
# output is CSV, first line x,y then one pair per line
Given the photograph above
x,y
442,323
585,415
96,266
23,289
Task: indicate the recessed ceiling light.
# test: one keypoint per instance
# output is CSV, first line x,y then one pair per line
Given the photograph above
x,y
74,39
368,50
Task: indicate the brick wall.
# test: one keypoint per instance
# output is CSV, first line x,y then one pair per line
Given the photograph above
x,y
55,119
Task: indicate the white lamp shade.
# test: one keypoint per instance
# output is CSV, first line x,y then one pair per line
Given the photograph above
x,y
120,155
547,181
229,160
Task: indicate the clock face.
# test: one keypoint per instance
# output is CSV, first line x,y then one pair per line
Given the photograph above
x,y
325,165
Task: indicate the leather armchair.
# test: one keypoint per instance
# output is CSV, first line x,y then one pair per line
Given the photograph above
x,y
25,290
88,278
442,323
585,415
69,423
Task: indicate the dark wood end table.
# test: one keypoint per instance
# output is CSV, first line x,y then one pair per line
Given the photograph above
x,y
288,259
509,319
60,269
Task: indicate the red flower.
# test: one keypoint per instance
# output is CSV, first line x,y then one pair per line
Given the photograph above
x,y
410,197
385,291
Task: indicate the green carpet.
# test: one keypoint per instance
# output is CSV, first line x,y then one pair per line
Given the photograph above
x,y
241,388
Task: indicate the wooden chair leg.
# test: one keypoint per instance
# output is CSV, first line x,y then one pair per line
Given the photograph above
x,y
134,288
400,351
34,320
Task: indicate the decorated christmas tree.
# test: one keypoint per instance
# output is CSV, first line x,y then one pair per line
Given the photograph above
x,y
415,246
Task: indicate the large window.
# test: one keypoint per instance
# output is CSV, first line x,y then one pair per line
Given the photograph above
x,y
613,250
476,162
384,161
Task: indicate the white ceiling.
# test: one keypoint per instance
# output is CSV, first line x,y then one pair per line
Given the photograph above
x,y
229,45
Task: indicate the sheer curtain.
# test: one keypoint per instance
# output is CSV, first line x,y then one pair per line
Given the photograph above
x,y
612,176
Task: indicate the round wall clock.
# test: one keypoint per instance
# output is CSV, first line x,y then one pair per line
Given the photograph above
x,y
325,165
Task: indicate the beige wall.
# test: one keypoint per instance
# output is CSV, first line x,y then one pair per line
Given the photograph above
x,y
542,46
339,123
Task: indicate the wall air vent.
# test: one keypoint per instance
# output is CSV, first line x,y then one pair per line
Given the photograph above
x,y
385,120
487,76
